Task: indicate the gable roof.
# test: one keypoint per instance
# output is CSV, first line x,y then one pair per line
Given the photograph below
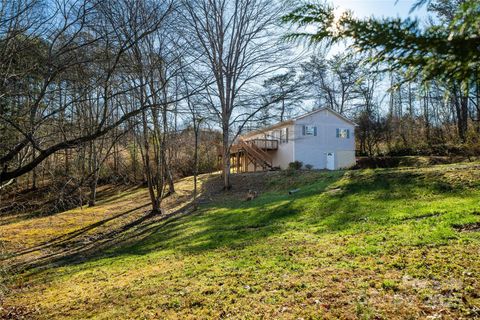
x,y
287,122
328,109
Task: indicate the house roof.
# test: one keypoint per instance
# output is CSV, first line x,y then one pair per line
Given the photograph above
x,y
287,122
329,109
273,126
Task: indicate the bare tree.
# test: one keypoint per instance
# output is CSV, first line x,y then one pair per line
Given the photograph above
x,y
333,80
237,45
82,38
287,88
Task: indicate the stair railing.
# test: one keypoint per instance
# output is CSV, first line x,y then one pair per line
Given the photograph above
x,y
258,154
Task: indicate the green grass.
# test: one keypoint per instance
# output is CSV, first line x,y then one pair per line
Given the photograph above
x,y
350,244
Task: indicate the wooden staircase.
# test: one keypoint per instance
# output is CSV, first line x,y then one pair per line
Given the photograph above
x,y
245,153
256,154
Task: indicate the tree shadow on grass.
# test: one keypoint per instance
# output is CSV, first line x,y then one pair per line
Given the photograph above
x,y
405,184
72,248
231,224
37,203
227,224
235,223
385,198
62,240
210,231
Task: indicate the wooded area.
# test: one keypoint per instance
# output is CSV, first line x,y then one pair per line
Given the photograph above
x,y
142,91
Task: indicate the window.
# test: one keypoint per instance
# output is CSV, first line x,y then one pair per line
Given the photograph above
x,y
343,133
276,134
284,135
309,130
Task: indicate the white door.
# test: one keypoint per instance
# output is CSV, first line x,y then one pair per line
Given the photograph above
x,y
330,161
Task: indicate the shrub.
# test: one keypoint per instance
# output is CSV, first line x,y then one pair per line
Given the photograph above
x,y
289,172
441,149
402,151
308,166
295,165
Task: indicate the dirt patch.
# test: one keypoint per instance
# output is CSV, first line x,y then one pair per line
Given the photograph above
x,y
468,227
241,183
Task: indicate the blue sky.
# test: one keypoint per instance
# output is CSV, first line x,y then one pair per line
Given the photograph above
x,y
379,8
376,8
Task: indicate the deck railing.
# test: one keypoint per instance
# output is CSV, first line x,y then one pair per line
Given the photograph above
x,y
265,144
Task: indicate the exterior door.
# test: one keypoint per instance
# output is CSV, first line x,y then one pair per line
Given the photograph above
x,y
330,161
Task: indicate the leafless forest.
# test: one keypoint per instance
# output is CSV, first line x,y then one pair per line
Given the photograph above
x,y
132,92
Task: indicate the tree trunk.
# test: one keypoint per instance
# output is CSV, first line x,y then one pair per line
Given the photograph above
x,y
134,159
94,170
426,115
226,161
283,110
461,108
195,159
34,173
148,171
93,190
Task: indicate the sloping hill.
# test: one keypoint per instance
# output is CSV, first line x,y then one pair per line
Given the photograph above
x,y
387,243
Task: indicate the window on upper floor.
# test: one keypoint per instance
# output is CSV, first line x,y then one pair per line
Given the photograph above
x,y
284,135
343,133
276,134
309,130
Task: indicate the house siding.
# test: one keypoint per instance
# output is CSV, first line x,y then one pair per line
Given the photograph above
x,y
313,149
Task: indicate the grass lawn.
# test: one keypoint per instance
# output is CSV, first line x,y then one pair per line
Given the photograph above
x,y
367,244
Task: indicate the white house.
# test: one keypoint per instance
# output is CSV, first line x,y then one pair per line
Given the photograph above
x,y
322,138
